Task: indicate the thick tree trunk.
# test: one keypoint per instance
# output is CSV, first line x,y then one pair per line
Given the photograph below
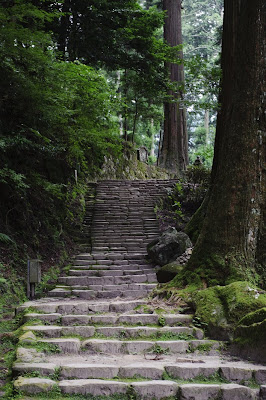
x,y
174,154
232,240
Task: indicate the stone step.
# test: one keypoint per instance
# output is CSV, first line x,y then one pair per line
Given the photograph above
x,y
117,271
112,346
104,280
80,314
144,268
146,346
122,332
105,294
99,288
80,306
148,390
230,372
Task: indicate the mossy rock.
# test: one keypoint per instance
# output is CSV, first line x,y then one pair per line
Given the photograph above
x,y
249,336
222,307
241,298
168,272
254,317
252,327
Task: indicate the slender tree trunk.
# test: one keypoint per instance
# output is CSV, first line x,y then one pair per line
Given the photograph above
x,y
232,241
135,119
125,109
152,154
174,154
120,116
207,125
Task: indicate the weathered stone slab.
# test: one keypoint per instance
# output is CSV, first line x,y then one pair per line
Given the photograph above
x,y
27,337
140,319
75,319
155,389
103,346
46,330
53,317
137,347
102,307
195,391
237,392
135,332
104,319
42,368
208,344
177,319
73,308
94,387
260,376
33,385
125,306
89,371
189,371
174,346
236,374
106,294
85,294
134,294
137,370
84,331
65,345
25,355
44,307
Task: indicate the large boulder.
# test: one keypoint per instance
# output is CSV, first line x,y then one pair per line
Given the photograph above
x,y
170,245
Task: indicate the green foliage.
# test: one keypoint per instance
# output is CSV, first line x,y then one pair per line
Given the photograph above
x,y
161,320
55,117
198,175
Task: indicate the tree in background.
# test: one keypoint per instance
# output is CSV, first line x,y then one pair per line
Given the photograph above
x,y
174,152
202,27
231,244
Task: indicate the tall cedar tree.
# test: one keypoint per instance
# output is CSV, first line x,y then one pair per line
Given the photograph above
x,y
231,244
174,153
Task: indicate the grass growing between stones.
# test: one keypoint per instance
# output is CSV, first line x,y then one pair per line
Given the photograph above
x,y
48,348
212,379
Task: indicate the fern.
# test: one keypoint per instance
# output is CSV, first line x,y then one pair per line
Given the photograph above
x,y
6,239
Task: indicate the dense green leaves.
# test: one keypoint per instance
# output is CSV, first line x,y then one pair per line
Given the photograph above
x,y
55,117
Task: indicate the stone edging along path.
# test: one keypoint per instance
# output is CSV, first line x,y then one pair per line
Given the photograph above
x,y
98,336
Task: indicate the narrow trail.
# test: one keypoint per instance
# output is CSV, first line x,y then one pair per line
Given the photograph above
x,y
97,334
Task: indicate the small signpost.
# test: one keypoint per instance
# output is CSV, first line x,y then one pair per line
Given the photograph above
x,y
34,276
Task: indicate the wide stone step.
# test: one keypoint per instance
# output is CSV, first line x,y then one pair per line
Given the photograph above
x,y
104,280
122,332
81,306
111,294
148,390
98,288
141,320
143,267
117,271
147,347
238,373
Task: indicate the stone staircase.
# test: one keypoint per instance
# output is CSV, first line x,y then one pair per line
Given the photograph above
x,y
98,336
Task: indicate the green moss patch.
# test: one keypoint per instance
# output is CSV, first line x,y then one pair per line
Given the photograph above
x,y
222,307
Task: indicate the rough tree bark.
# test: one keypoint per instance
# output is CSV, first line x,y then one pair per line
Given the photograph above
x,y
174,154
231,244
